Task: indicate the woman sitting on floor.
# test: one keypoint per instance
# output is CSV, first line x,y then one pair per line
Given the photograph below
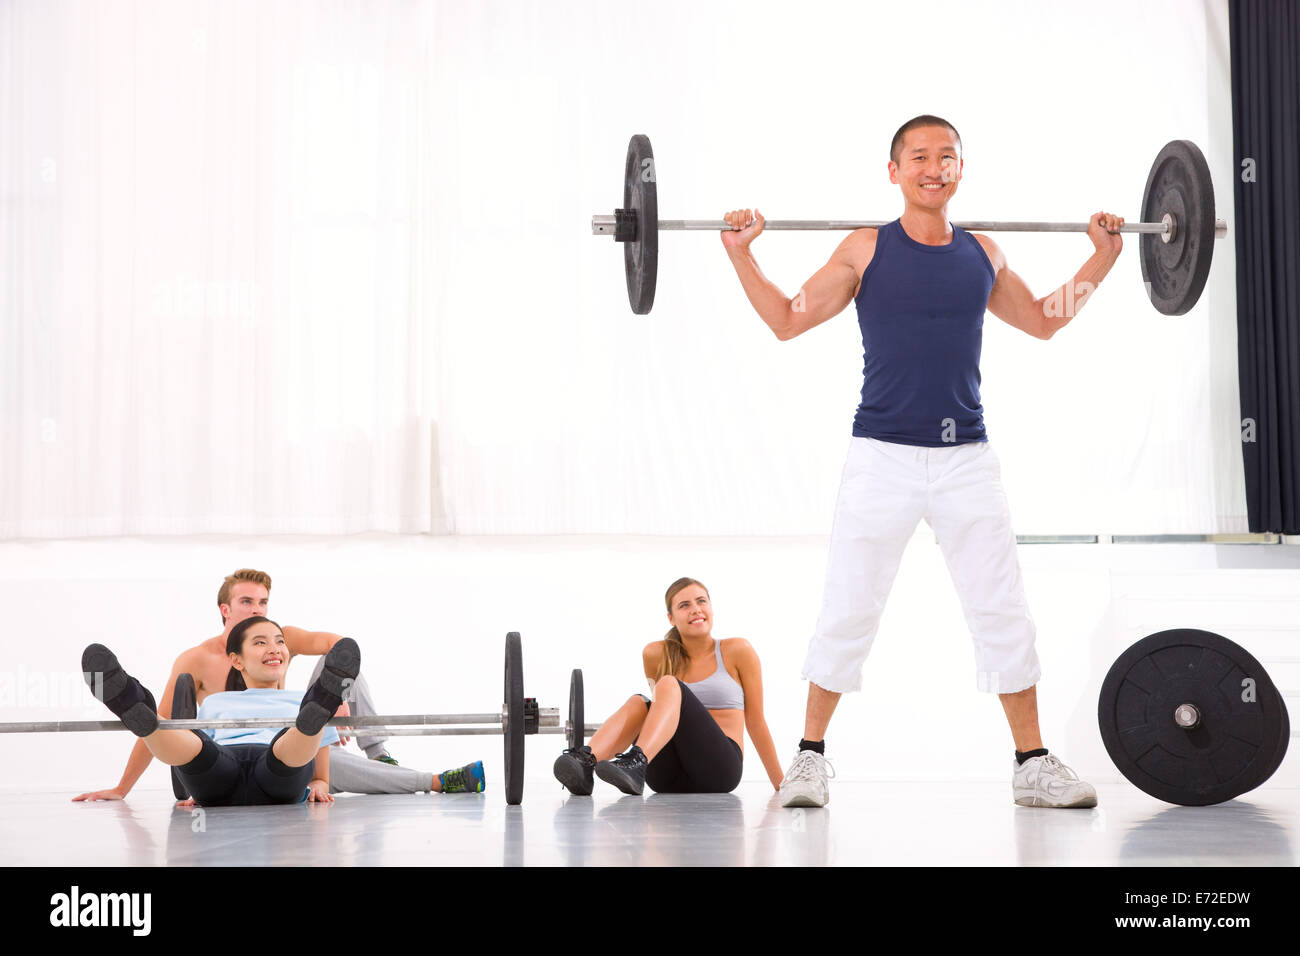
x,y
707,693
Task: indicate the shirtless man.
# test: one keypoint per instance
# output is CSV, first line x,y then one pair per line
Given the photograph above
x,y
921,286
245,594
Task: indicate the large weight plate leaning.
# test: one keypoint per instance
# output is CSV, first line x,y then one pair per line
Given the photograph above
x,y
1179,185
1243,730
577,729
641,255
513,728
1284,741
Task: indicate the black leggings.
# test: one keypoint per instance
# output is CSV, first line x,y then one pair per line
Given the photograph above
x,y
240,775
700,758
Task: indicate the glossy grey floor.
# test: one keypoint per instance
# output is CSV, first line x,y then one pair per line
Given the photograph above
x,y
866,823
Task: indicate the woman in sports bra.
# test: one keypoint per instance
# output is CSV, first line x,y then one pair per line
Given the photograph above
x,y
690,739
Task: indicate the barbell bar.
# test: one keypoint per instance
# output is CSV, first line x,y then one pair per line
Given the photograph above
x,y
548,717
556,730
1177,208
607,225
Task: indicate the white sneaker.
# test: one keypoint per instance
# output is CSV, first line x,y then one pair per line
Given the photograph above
x,y
805,782
1046,782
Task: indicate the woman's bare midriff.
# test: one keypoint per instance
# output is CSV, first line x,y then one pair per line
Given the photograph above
x,y
732,723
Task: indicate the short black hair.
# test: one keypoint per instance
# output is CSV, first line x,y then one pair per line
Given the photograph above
x,y
916,122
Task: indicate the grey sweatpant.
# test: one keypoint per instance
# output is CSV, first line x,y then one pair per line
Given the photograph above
x,y
353,773
361,704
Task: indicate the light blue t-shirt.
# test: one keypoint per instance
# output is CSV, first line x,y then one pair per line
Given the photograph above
x,y
254,702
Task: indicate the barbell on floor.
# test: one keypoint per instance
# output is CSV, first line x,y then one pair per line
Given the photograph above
x,y
519,717
548,722
1177,209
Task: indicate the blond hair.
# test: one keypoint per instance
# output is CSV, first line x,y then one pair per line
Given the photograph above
x,y
243,574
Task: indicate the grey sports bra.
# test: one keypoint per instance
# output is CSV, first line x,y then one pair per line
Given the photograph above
x,y
718,691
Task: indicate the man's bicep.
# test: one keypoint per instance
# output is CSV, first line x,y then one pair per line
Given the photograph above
x,y
826,294
1013,303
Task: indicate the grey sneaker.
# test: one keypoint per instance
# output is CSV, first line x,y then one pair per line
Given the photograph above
x,y
805,782
1046,782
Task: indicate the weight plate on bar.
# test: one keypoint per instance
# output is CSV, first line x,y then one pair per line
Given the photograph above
x,y
577,729
641,256
185,706
514,719
1179,186
1236,745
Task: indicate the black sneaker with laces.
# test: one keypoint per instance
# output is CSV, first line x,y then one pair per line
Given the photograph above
x,y
626,771
120,692
573,768
332,687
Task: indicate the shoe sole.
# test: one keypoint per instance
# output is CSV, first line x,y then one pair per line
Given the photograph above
x,y
804,800
569,772
342,665
613,775
805,794
139,718
1031,800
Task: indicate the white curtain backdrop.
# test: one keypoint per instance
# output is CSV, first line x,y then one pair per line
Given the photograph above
x,y
214,318
303,267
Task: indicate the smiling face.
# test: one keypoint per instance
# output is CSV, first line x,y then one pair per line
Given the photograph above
x,y
691,612
263,655
928,167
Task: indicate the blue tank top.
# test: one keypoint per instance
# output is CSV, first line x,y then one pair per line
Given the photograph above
x,y
718,691
921,312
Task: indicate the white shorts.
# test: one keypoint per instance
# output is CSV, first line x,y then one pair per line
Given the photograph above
x,y
885,490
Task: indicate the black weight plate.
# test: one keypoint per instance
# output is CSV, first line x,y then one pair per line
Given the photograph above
x,y
577,729
1283,742
514,719
641,256
1179,184
184,707
1234,748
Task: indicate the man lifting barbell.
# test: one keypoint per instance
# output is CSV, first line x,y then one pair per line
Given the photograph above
x,y
919,447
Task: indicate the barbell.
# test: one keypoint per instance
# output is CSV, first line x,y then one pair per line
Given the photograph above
x,y
1177,229
518,717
